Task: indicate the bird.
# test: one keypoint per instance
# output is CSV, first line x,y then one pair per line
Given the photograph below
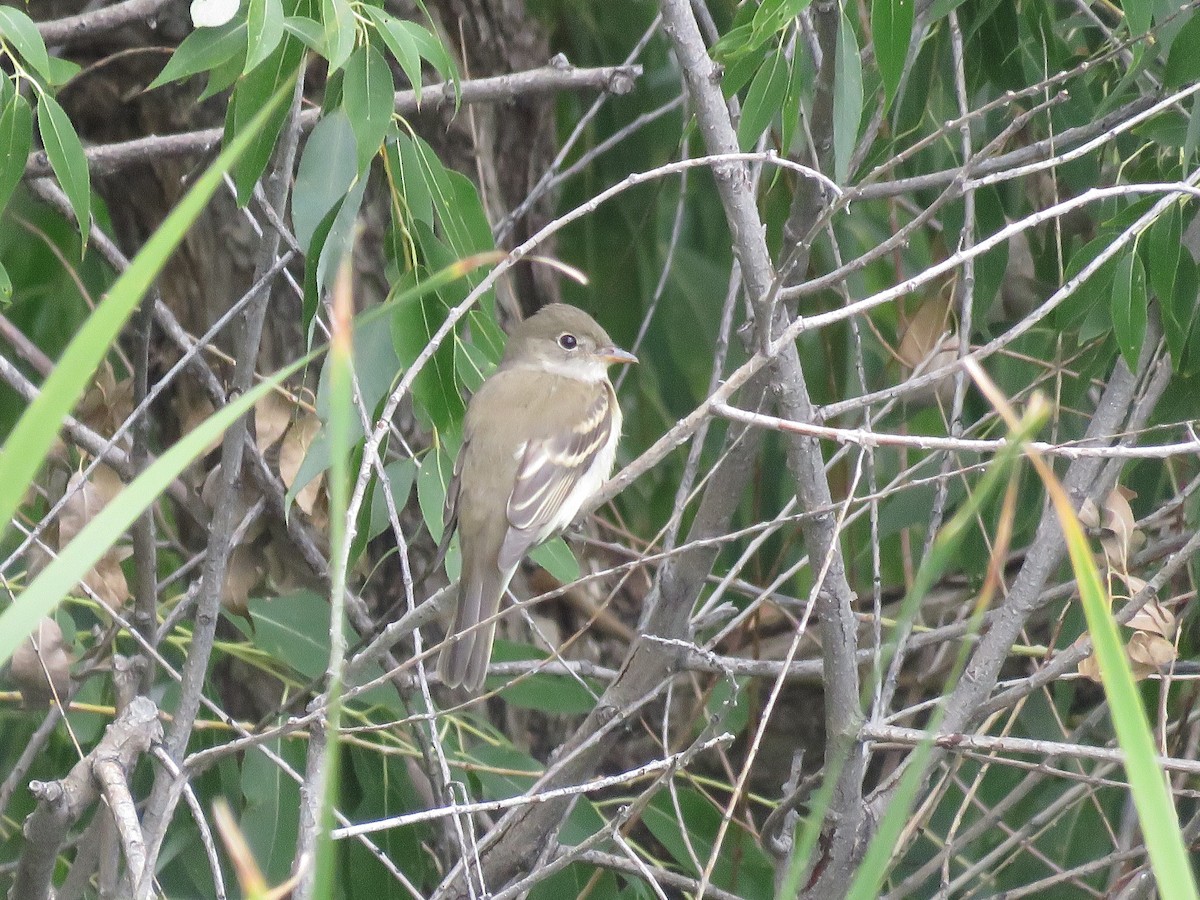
x,y
539,439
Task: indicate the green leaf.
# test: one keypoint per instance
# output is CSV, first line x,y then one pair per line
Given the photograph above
x,y
1181,312
891,31
472,364
1163,248
249,96
764,99
847,99
438,401
401,473
402,46
293,628
62,71
339,237
6,288
18,29
404,161
556,558
264,30
376,367
741,865
559,695
1183,62
31,438
432,51
368,95
1192,137
1137,16
790,111
203,50
740,70
67,159
1129,308
324,176
1092,293
270,817
316,461
433,480
943,8
771,17
16,138
308,31
222,76
339,31
312,261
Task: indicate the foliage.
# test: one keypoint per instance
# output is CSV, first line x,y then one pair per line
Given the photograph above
x,y
824,641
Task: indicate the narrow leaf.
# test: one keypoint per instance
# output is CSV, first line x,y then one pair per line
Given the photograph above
x,y
847,99
251,93
401,45
1129,307
308,31
20,31
339,31
67,159
325,174
16,137
891,31
264,30
201,51
764,99
368,94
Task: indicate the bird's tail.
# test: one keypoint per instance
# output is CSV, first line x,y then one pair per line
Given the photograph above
x,y
464,659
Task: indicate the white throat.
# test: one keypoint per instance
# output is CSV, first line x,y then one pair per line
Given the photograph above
x,y
591,371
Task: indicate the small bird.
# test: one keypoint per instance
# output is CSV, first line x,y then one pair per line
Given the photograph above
x,y
539,438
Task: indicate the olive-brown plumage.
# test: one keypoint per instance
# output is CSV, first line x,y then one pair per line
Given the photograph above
x,y
539,439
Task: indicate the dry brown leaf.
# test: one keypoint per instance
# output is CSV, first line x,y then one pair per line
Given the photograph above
x,y
1155,619
107,403
84,502
926,344
1089,668
1089,514
292,451
194,411
107,579
272,416
1117,524
39,655
246,570
1148,653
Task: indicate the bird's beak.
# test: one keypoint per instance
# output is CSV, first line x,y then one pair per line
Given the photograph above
x,y
616,355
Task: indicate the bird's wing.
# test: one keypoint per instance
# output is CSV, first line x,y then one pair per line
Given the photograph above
x,y
449,514
549,470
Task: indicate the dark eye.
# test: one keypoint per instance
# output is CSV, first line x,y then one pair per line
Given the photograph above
x,y
567,341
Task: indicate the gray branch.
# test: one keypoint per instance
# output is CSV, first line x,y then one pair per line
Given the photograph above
x,y
62,803
109,159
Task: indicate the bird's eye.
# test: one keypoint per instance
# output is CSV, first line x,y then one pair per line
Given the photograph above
x,y
567,341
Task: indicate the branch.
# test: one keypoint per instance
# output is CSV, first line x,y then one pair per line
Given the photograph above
x,y
62,803
109,159
85,26
894,736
